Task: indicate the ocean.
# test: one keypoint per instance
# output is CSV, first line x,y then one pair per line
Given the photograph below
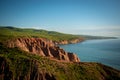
x,y
105,51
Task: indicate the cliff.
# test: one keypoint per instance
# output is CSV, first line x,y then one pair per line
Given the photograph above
x,y
42,47
73,41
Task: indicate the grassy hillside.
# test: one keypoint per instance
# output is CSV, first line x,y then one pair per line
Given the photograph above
x,y
12,32
19,65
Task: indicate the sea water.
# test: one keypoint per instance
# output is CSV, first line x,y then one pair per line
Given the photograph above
x,y
105,51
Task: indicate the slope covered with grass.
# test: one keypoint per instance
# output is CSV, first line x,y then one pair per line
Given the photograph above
x,y
12,32
8,32
19,65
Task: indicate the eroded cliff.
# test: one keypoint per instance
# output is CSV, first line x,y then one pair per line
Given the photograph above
x,y
43,47
73,41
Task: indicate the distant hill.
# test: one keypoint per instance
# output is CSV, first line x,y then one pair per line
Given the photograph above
x,y
12,32
8,32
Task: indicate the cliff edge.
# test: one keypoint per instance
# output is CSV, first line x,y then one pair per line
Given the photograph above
x,y
42,47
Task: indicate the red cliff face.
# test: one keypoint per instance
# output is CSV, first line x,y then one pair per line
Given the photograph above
x,y
43,47
70,41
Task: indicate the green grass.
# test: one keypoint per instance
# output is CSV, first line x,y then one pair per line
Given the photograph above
x,y
12,32
7,33
20,64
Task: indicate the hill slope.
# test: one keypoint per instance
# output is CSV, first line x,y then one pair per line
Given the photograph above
x,y
19,65
12,32
7,32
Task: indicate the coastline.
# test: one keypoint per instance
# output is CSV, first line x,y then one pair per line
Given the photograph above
x,y
103,51
65,42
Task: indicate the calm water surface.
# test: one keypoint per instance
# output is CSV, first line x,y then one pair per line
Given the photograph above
x,y
105,51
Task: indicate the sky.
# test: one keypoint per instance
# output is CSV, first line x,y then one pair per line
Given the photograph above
x,y
87,17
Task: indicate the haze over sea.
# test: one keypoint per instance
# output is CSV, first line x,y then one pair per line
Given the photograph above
x,y
105,51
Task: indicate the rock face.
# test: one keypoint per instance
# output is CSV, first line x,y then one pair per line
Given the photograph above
x,y
70,41
43,47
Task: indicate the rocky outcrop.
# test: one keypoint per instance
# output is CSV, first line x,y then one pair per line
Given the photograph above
x,y
43,47
73,41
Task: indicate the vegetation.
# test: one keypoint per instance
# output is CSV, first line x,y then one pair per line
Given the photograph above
x,y
12,32
9,32
19,65
16,64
